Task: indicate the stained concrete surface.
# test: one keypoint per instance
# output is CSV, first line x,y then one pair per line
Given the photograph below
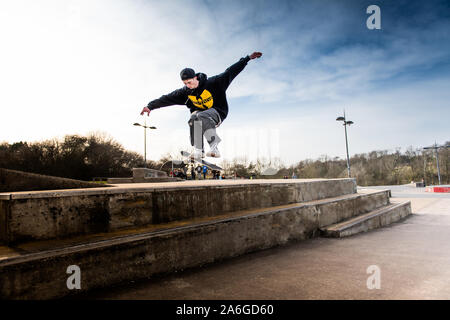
x,y
413,257
44,215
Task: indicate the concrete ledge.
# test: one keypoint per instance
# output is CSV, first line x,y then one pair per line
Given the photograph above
x,y
323,208
141,180
43,275
145,175
14,181
375,219
37,215
329,185
38,270
341,209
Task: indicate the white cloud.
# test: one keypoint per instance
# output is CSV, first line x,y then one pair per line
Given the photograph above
x,y
81,66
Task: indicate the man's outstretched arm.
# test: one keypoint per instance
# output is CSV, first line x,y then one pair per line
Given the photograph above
x,y
231,72
176,97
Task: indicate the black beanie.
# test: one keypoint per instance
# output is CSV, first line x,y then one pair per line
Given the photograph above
x,y
187,73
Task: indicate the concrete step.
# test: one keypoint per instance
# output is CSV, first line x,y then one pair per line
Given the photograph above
x,y
37,269
329,211
338,209
44,215
375,219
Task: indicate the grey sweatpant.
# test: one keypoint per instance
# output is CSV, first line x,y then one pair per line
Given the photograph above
x,y
204,123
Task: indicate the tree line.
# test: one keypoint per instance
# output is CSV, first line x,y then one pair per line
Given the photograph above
x,y
98,155
75,157
382,167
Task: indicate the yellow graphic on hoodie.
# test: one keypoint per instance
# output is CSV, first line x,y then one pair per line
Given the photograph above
x,y
205,101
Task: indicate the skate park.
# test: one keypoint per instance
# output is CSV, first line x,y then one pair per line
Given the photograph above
x,y
161,151
131,232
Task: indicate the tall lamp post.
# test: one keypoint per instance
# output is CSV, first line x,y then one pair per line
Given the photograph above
x,y
145,139
346,123
436,149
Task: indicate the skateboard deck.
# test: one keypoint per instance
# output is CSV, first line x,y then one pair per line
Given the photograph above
x,y
211,166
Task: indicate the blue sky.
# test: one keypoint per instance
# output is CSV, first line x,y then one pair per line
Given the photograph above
x,y
75,67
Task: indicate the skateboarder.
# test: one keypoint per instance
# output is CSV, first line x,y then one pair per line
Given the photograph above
x,y
206,99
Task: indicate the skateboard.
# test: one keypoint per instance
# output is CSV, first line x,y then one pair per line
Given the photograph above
x,y
211,166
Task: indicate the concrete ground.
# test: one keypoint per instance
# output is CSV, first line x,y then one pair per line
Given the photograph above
x,y
413,257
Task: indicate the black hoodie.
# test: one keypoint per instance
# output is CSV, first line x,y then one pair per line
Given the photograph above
x,y
210,92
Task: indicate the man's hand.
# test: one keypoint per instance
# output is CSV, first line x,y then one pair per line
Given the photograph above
x,y
255,55
145,110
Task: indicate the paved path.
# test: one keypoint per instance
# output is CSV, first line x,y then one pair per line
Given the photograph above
x,y
413,257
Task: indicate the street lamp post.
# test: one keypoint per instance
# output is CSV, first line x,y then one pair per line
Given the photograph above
x,y
346,123
145,138
436,149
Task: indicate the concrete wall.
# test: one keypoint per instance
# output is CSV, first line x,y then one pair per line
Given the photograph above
x,y
148,173
144,255
141,180
144,175
133,259
12,181
49,215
